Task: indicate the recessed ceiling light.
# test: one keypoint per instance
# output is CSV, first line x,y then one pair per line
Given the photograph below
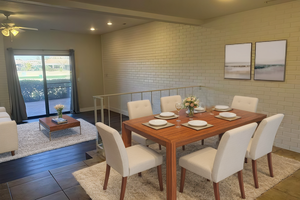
x,y
92,29
109,23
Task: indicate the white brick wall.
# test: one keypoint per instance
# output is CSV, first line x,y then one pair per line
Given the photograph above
x,y
162,55
4,98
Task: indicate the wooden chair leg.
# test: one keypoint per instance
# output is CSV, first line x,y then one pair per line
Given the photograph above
x,y
183,170
159,147
160,178
270,164
123,187
254,170
246,160
183,148
13,153
106,176
202,142
140,174
241,183
217,191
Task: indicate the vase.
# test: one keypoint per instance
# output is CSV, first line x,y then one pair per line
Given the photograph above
x,y
191,112
59,113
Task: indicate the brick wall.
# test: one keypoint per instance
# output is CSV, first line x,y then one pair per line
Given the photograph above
x,y
162,55
4,98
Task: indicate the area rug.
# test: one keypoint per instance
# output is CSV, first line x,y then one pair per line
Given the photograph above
x,y
33,141
196,187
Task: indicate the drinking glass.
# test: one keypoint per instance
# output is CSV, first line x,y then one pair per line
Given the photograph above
x,y
178,108
209,108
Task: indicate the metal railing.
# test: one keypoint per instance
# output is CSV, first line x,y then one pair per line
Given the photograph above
x,y
108,96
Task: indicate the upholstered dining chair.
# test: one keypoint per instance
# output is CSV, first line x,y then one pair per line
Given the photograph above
x,y
167,104
262,143
216,165
245,103
127,161
138,109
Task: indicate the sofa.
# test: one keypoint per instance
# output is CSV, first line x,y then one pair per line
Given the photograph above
x,y
8,133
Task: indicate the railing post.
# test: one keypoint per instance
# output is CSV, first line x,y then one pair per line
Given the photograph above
x,y
102,110
95,110
108,110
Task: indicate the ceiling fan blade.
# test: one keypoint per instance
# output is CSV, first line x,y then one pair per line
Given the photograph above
x,y
17,29
26,28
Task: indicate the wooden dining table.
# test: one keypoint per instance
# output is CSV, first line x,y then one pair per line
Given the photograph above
x,y
172,137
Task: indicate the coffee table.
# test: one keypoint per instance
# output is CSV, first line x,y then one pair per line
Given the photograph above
x,y
51,126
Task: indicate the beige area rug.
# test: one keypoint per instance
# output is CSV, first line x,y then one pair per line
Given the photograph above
x,y
196,187
33,141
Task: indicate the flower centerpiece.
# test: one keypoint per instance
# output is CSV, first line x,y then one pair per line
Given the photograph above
x,y
59,109
190,103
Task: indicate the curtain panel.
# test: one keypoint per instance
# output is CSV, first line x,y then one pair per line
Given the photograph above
x,y
74,108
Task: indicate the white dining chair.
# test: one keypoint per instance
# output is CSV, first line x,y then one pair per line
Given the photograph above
x,y
127,161
216,165
167,104
245,103
262,143
137,109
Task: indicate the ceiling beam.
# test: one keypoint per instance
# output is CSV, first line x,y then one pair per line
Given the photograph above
x,y
67,4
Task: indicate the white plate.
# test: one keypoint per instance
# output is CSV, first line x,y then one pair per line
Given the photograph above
x,y
227,114
221,107
199,109
195,111
157,122
197,123
167,114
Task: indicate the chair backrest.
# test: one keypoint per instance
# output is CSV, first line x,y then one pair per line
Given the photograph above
x,y
245,103
115,152
138,109
231,152
167,104
262,142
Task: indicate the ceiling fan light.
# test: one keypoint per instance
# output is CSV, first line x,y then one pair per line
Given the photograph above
x,y
14,32
5,32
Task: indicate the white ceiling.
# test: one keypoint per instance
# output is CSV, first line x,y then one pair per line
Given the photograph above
x,y
64,16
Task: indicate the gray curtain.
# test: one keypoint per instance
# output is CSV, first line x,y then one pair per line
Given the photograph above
x,y
74,94
18,108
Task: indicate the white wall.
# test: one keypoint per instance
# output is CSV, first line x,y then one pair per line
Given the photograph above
x,y
87,57
162,55
4,98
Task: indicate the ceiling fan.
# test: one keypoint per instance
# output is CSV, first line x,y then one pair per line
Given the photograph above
x,y
8,27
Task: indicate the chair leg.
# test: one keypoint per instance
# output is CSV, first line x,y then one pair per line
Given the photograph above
x,y
159,147
254,170
183,170
270,164
183,148
123,188
13,153
241,183
106,176
217,191
246,160
160,178
202,142
140,174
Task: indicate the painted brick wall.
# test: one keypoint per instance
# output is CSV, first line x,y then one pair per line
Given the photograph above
x,y
4,98
162,55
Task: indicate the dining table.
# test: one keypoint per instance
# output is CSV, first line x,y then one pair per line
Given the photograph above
x,y
173,137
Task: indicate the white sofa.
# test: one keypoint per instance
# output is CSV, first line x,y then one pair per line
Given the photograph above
x,y
8,133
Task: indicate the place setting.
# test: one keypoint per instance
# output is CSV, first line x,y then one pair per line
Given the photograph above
x,y
167,115
158,124
197,124
229,116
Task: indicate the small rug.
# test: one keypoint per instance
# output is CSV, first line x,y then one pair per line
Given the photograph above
x,y
33,141
196,187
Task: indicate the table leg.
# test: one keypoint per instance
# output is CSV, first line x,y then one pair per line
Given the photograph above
x,y
39,125
126,136
171,171
49,135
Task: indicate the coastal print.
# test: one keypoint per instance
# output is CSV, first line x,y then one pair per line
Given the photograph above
x,y
238,61
270,60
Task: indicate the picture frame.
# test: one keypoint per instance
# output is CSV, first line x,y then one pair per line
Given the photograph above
x,y
238,61
270,60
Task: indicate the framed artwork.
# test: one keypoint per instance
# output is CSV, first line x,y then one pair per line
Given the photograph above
x,y
270,60
238,61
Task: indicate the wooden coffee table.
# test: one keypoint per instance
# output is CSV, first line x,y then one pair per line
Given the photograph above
x,y
51,126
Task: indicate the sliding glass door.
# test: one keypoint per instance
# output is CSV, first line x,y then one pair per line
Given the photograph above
x,y
45,82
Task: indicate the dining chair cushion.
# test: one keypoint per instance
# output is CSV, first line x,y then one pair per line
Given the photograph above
x,y
4,115
167,104
200,162
142,140
142,158
137,109
115,152
263,140
5,119
245,103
